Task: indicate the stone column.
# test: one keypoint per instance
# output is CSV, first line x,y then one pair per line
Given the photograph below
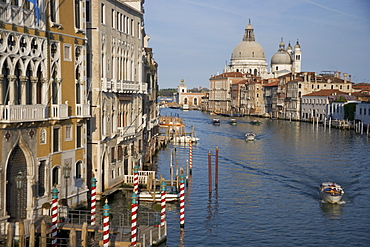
x,y
11,89
34,89
44,91
23,80
2,81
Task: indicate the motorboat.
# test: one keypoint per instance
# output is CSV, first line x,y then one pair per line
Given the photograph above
x,y
216,121
233,121
185,139
250,136
255,122
156,196
331,192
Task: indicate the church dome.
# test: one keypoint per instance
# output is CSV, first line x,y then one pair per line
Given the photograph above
x,y
281,57
248,50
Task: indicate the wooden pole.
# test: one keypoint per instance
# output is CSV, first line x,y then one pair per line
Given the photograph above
x,y
209,173
10,235
43,233
84,235
21,233
182,201
72,237
216,169
32,235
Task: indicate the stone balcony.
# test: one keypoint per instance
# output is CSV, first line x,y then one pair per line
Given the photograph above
x,y
23,113
59,112
119,86
83,110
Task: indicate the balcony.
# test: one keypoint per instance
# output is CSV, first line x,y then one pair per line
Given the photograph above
x,y
83,110
119,86
22,113
127,132
59,112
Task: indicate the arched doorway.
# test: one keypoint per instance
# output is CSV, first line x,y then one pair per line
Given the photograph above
x,y
16,198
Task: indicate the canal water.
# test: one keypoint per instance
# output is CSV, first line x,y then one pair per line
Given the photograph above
x,y
267,191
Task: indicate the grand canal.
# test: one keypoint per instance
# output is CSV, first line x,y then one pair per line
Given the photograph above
x,y
268,188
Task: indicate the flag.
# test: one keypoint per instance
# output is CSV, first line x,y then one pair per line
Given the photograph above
x,y
37,13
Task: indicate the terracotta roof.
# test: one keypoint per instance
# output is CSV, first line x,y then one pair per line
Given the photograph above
x,y
228,74
327,92
240,82
271,84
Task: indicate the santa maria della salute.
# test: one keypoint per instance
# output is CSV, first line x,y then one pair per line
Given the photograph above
x,y
249,57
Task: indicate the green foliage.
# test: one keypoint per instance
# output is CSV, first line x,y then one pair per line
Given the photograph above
x,y
349,111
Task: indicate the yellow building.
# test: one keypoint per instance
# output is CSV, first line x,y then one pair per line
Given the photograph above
x,y
43,106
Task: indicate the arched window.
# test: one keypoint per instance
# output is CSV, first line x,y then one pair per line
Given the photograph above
x,y
195,101
79,169
185,100
55,176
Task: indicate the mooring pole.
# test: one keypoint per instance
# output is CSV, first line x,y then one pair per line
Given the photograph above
x,y
216,169
191,157
209,173
182,201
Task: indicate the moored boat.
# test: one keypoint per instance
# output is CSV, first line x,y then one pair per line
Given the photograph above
x,y
216,121
185,139
250,136
233,121
255,122
331,192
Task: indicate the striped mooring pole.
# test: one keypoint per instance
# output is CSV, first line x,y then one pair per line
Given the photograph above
x,y
136,179
163,202
106,224
133,218
93,200
182,201
54,216
191,157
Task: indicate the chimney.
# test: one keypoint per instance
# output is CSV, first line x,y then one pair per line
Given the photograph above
x,y
345,77
350,78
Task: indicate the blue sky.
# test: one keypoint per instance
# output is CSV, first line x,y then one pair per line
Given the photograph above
x,y
193,39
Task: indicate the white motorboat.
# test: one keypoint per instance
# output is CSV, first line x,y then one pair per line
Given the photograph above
x,y
216,121
156,196
250,136
331,192
185,139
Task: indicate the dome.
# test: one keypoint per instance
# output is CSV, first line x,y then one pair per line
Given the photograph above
x,y
281,57
248,50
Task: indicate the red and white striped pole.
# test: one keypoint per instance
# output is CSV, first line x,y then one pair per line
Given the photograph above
x,y
93,200
106,224
191,156
134,219
182,201
163,202
136,179
54,216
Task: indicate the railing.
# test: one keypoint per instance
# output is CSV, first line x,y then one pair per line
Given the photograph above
x,y
119,219
127,131
120,86
22,113
83,110
129,179
59,111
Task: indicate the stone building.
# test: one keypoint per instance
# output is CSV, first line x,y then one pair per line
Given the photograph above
x,y
43,107
123,90
185,97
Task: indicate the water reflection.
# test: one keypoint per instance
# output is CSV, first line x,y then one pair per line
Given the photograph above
x,y
333,211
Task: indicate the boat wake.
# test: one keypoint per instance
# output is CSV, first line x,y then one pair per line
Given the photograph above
x,y
325,202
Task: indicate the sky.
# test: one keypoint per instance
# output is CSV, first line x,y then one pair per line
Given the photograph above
x,y
193,39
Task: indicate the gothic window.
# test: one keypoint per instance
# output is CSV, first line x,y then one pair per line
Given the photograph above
x,y
56,146
77,14
79,169
54,11
41,178
185,100
102,13
55,176
79,136
55,89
